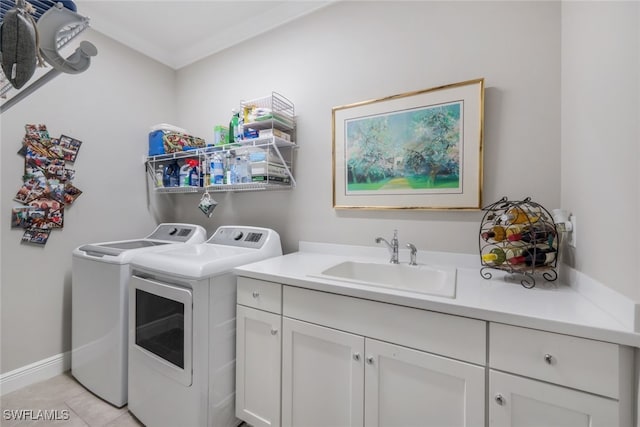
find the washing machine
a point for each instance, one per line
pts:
(100, 275)
(182, 328)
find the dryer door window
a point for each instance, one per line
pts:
(160, 326)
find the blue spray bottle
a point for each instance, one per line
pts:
(194, 173)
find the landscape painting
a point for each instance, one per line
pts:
(408, 151)
(418, 150)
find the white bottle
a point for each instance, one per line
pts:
(246, 168)
(230, 169)
(184, 175)
(235, 170)
(217, 170)
(239, 136)
(159, 173)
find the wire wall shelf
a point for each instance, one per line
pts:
(269, 152)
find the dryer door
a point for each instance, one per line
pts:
(162, 322)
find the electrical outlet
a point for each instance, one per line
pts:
(573, 232)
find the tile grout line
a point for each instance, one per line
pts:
(77, 415)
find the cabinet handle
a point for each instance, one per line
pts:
(255, 294)
(548, 358)
(356, 356)
(274, 331)
(370, 360)
(499, 399)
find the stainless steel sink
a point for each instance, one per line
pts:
(423, 279)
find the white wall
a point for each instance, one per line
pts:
(110, 108)
(355, 51)
(600, 135)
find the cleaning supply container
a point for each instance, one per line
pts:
(171, 176)
(184, 174)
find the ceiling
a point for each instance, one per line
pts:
(179, 33)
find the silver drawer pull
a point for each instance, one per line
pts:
(548, 358)
(356, 356)
(370, 360)
(255, 294)
(499, 399)
(274, 331)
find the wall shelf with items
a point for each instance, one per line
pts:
(268, 113)
(270, 160)
(260, 158)
(521, 238)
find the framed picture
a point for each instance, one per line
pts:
(416, 150)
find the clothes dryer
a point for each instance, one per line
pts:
(182, 328)
(99, 306)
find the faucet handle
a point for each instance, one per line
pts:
(414, 252)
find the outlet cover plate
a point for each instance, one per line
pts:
(573, 232)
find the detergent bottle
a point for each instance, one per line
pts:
(171, 175)
(184, 174)
(194, 173)
(233, 125)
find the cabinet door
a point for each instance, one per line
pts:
(523, 402)
(322, 376)
(258, 351)
(406, 387)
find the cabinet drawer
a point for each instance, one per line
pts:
(260, 294)
(580, 363)
(443, 334)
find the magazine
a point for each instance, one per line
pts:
(70, 147)
(36, 235)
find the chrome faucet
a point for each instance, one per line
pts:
(414, 252)
(393, 246)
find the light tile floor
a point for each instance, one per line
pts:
(66, 401)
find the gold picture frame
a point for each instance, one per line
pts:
(416, 150)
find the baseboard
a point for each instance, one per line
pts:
(625, 310)
(35, 372)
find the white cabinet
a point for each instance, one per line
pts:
(406, 387)
(258, 354)
(348, 361)
(559, 380)
(322, 376)
(523, 402)
(334, 378)
(338, 371)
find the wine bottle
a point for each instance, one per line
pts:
(535, 256)
(517, 215)
(496, 233)
(495, 257)
(514, 229)
(514, 251)
(535, 234)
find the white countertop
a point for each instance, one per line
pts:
(553, 306)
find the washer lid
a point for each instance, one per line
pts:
(195, 261)
(116, 248)
(229, 247)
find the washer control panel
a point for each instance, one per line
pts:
(174, 232)
(246, 237)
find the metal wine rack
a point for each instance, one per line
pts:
(520, 228)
